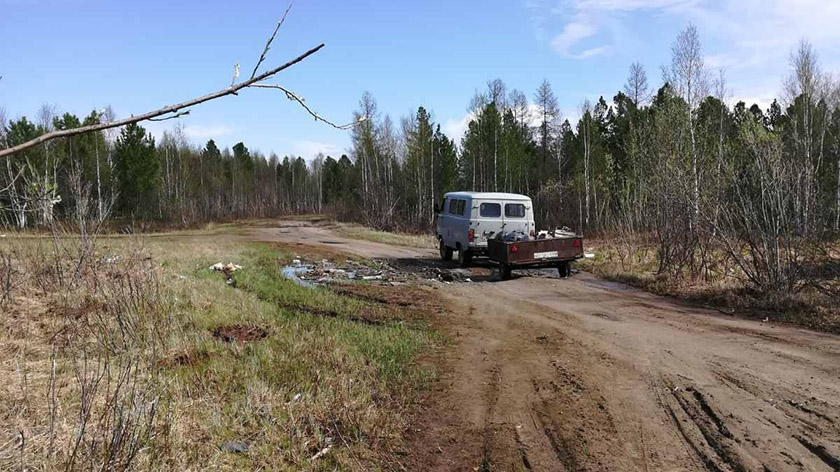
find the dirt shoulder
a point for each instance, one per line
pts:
(584, 374)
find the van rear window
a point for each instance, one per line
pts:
(490, 210)
(514, 210)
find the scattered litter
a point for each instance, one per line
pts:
(228, 268)
(237, 447)
(321, 453)
(295, 273)
(111, 260)
(766, 319)
(182, 277)
(326, 272)
(296, 397)
(588, 255)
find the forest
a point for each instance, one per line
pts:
(673, 164)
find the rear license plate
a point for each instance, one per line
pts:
(545, 255)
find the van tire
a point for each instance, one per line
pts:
(464, 257)
(445, 252)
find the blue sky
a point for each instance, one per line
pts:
(136, 56)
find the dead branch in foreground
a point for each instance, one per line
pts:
(150, 116)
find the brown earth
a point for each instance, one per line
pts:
(584, 374)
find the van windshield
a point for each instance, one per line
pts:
(514, 210)
(490, 210)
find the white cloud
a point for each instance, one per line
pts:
(572, 114)
(309, 149)
(455, 128)
(572, 34)
(202, 132)
(749, 38)
(592, 52)
(760, 47)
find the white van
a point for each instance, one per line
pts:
(467, 219)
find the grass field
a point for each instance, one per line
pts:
(398, 239)
(137, 354)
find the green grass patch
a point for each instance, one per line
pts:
(331, 369)
(354, 231)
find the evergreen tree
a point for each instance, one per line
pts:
(137, 169)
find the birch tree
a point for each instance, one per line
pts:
(689, 78)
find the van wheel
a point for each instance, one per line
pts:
(445, 252)
(464, 257)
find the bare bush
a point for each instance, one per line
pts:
(117, 410)
(759, 229)
(91, 394)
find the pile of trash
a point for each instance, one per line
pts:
(452, 275)
(227, 269)
(326, 272)
(511, 236)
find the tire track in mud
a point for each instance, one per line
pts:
(802, 421)
(716, 446)
(573, 413)
(488, 432)
(782, 399)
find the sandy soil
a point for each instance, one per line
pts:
(583, 374)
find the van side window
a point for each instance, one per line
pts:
(456, 207)
(514, 210)
(444, 207)
(490, 210)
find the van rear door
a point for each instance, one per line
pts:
(515, 214)
(488, 220)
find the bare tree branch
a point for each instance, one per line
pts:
(268, 43)
(177, 115)
(294, 97)
(14, 180)
(232, 90)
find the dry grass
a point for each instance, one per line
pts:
(398, 239)
(121, 342)
(635, 263)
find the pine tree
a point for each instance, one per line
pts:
(137, 171)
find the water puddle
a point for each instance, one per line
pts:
(293, 273)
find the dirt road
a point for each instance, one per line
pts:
(584, 374)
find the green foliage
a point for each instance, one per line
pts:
(137, 167)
